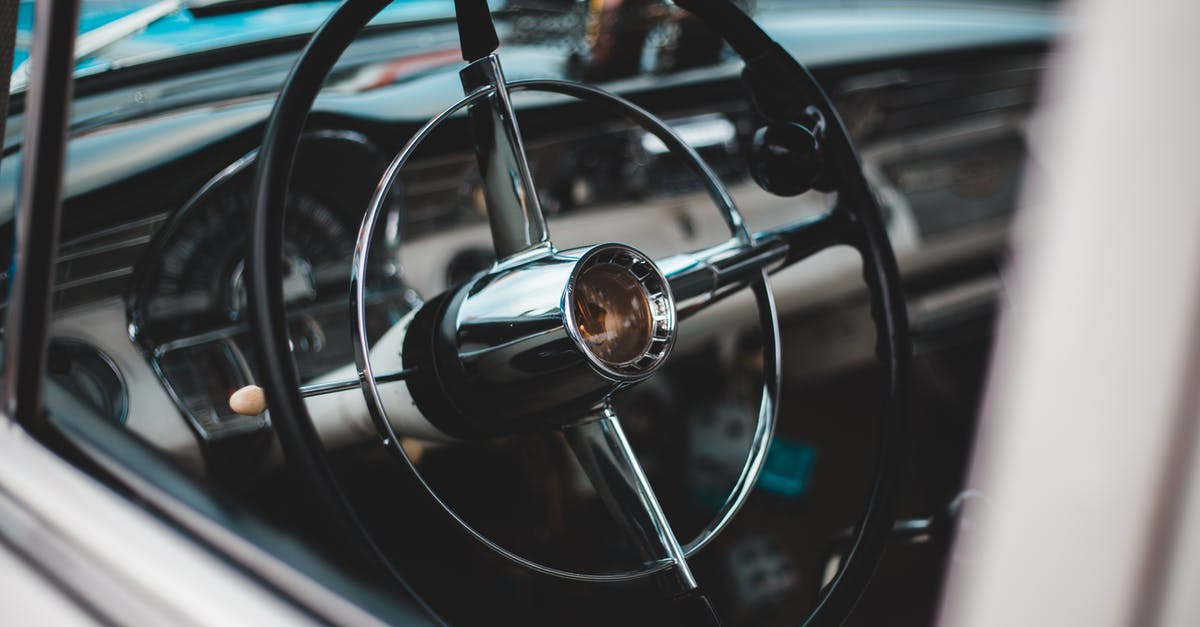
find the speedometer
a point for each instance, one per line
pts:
(189, 308)
(199, 282)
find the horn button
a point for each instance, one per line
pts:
(612, 314)
(619, 311)
(540, 342)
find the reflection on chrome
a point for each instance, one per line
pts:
(612, 312)
(619, 310)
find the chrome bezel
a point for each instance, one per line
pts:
(658, 296)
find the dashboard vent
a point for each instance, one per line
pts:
(912, 98)
(98, 265)
(438, 192)
(950, 180)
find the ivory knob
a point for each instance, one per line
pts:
(248, 401)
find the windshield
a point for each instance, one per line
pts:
(121, 33)
(117, 33)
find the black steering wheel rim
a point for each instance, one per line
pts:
(780, 87)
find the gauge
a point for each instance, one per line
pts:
(190, 311)
(201, 377)
(199, 280)
(89, 376)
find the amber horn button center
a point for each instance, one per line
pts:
(612, 314)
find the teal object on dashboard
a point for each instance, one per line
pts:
(788, 468)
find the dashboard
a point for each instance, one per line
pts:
(150, 325)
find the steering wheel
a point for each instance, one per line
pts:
(545, 337)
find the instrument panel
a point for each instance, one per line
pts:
(189, 308)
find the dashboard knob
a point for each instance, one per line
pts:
(785, 158)
(248, 401)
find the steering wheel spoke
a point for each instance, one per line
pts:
(701, 278)
(514, 211)
(600, 446)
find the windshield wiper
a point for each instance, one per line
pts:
(205, 8)
(122, 28)
(97, 39)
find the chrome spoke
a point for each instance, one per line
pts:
(340, 385)
(514, 212)
(703, 277)
(250, 400)
(600, 445)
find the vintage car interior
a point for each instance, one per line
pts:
(232, 345)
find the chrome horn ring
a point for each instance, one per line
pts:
(768, 321)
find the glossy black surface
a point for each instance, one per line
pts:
(476, 32)
(785, 158)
